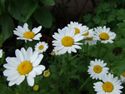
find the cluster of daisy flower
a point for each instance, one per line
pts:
(71, 37)
(107, 84)
(26, 63)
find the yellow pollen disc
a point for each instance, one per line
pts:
(104, 36)
(89, 38)
(46, 73)
(97, 69)
(107, 86)
(123, 74)
(86, 34)
(29, 35)
(67, 41)
(77, 31)
(41, 47)
(25, 67)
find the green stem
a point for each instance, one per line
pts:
(84, 83)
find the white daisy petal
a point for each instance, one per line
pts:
(39, 69)
(20, 80)
(25, 26)
(19, 55)
(30, 81)
(38, 60)
(37, 37)
(36, 30)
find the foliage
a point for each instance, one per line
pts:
(13, 12)
(68, 72)
(110, 13)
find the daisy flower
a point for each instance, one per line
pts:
(78, 28)
(41, 47)
(104, 34)
(97, 69)
(66, 41)
(24, 65)
(24, 33)
(109, 85)
(1, 53)
(122, 76)
(89, 37)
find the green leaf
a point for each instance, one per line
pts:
(6, 25)
(119, 67)
(44, 17)
(2, 6)
(22, 10)
(121, 14)
(48, 2)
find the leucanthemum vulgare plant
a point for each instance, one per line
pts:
(70, 63)
(53, 47)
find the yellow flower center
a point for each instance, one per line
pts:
(97, 69)
(67, 41)
(35, 87)
(41, 47)
(46, 73)
(25, 67)
(77, 31)
(29, 35)
(108, 87)
(104, 36)
(86, 34)
(123, 74)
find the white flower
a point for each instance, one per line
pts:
(24, 65)
(97, 69)
(104, 34)
(41, 47)
(1, 53)
(78, 28)
(109, 85)
(89, 37)
(24, 33)
(122, 76)
(66, 41)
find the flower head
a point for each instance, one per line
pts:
(41, 47)
(89, 37)
(24, 33)
(24, 65)
(108, 85)
(78, 27)
(104, 34)
(97, 69)
(66, 41)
